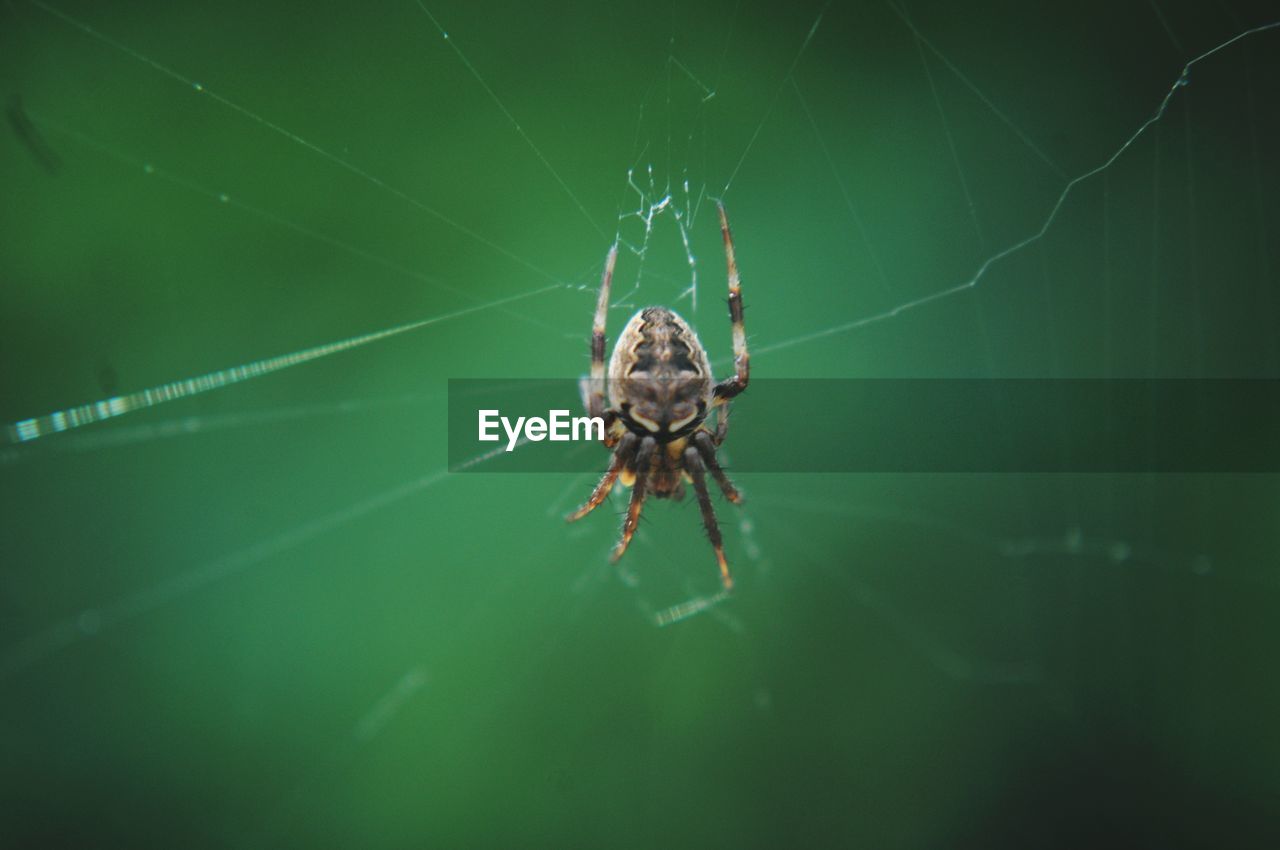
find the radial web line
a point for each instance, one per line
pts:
(804, 45)
(293, 137)
(951, 141)
(923, 641)
(707, 93)
(514, 123)
(92, 621)
(1168, 30)
(192, 424)
(844, 190)
(969, 84)
(1039, 233)
(151, 170)
(85, 414)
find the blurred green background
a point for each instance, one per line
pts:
(267, 616)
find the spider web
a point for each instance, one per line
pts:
(261, 255)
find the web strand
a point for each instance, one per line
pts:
(223, 198)
(844, 190)
(1035, 237)
(367, 176)
(960, 75)
(511, 118)
(91, 622)
(773, 102)
(34, 428)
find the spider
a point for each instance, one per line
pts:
(660, 393)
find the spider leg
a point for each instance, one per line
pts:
(693, 463)
(707, 451)
(638, 492)
(623, 453)
(722, 423)
(593, 388)
(730, 387)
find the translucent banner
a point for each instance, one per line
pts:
(905, 425)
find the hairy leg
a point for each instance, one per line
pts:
(693, 463)
(621, 456)
(638, 491)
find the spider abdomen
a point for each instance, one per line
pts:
(659, 375)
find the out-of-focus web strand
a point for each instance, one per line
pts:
(27, 430)
(892, 312)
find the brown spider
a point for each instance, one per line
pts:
(660, 393)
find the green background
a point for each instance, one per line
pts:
(267, 616)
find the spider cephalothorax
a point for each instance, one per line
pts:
(660, 393)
